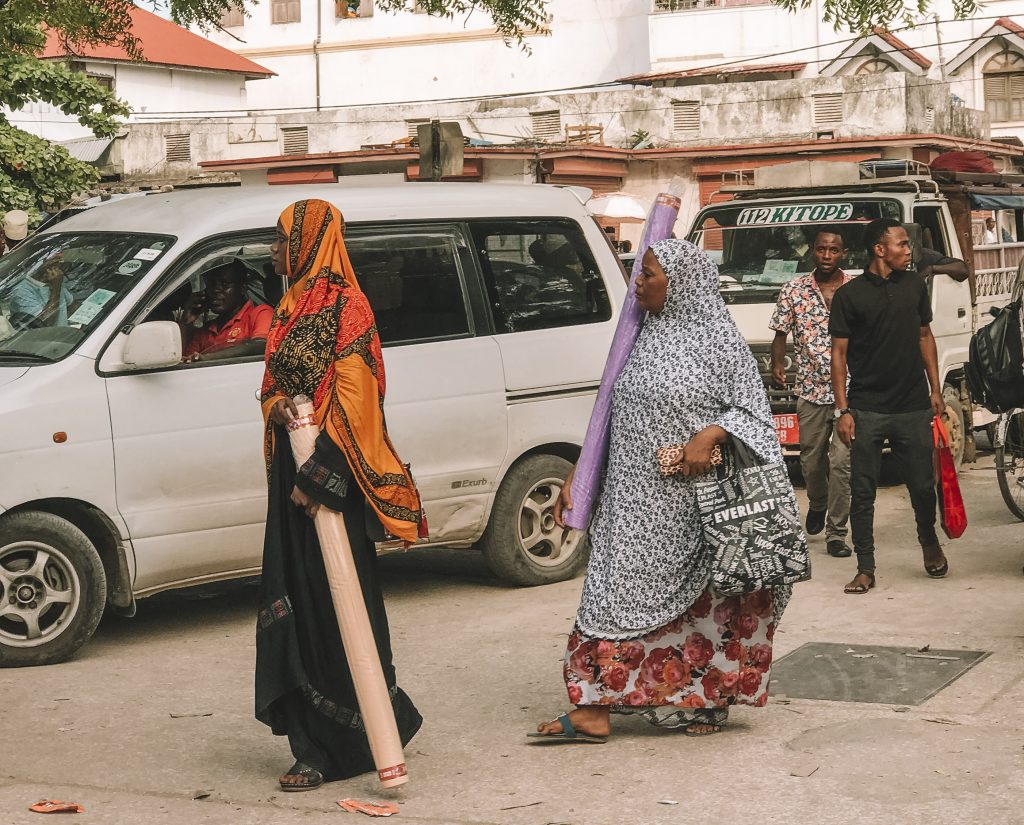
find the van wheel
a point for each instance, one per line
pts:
(52, 589)
(522, 543)
(954, 421)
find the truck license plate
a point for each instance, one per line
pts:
(787, 429)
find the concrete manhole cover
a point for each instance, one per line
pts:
(870, 674)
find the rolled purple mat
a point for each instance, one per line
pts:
(586, 481)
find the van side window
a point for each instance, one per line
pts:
(223, 302)
(413, 281)
(540, 274)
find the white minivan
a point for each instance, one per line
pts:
(125, 472)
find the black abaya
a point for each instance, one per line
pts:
(303, 683)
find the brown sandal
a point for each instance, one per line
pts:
(858, 588)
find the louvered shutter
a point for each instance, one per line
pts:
(295, 140)
(546, 125)
(996, 102)
(1016, 83)
(686, 116)
(285, 11)
(412, 127)
(828, 109)
(178, 148)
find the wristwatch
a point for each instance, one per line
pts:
(839, 412)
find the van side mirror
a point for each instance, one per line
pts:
(153, 344)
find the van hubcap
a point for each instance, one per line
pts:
(39, 593)
(544, 542)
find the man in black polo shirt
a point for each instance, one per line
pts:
(882, 340)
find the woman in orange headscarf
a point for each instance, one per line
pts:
(323, 343)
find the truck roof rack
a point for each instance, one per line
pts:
(827, 177)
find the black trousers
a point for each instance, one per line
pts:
(910, 438)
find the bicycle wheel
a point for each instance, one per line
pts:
(1010, 464)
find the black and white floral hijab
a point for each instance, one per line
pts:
(706, 345)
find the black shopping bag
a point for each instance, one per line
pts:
(752, 525)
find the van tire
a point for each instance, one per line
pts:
(52, 589)
(954, 420)
(510, 557)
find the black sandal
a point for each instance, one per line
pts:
(936, 571)
(313, 777)
(860, 588)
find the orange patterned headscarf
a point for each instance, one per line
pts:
(323, 343)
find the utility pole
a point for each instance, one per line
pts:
(938, 42)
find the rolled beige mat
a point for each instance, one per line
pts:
(353, 620)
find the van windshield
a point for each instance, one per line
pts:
(760, 246)
(55, 288)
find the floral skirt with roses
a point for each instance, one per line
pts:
(717, 654)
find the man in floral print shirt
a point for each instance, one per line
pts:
(803, 310)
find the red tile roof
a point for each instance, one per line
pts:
(713, 71)
(163, 43)
(903, 48)
(1010, 25)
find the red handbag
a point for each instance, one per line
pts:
(951, 504)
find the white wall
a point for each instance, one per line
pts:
(405, 56)
(148, 90)
(766, 34)
(746, 34)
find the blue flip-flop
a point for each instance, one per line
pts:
(568, 734)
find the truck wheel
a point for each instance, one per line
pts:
(954, 420)
(52, 589)
(522, 544)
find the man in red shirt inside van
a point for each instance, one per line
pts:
(240, 326)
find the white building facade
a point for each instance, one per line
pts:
(337, 54)
(180, 75)
(341, 53)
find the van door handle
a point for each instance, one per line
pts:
(961, 312)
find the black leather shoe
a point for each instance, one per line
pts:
(815, 522)
(839, 549)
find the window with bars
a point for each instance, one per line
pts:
(1004, 87)
(294, 140)
(178, 148)
(285, 11)
(232, 18)
(686, 116)
(546, 125)
(828, 108)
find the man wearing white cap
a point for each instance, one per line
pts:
(15, 229)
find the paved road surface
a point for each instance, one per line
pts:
(482, 661)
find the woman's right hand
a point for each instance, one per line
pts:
(564, 499)
(283, 411)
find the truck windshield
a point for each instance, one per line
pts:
(759, 246)
(55, 288)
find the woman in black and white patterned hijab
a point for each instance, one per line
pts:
(649, 635)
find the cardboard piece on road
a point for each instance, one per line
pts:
(52, 806)
(354, 806)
